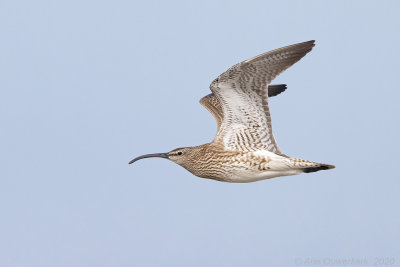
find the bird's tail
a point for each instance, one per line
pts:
(318, 168)
(309, 166)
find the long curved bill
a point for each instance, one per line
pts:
(156, 155)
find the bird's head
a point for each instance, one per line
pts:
(185, 156)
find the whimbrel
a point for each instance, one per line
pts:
(244, 148)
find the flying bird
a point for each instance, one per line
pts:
(244, 148)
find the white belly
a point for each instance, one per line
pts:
(247, 177)
(277, 166)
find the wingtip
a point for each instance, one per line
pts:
(310, 43)
(274, 90)
(204, 99)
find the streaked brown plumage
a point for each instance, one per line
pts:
(244, 149)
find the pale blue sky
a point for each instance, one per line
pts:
(85, 86)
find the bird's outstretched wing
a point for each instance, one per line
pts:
(242, 92)
(211, 102)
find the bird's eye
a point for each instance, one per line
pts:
(180, 153)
